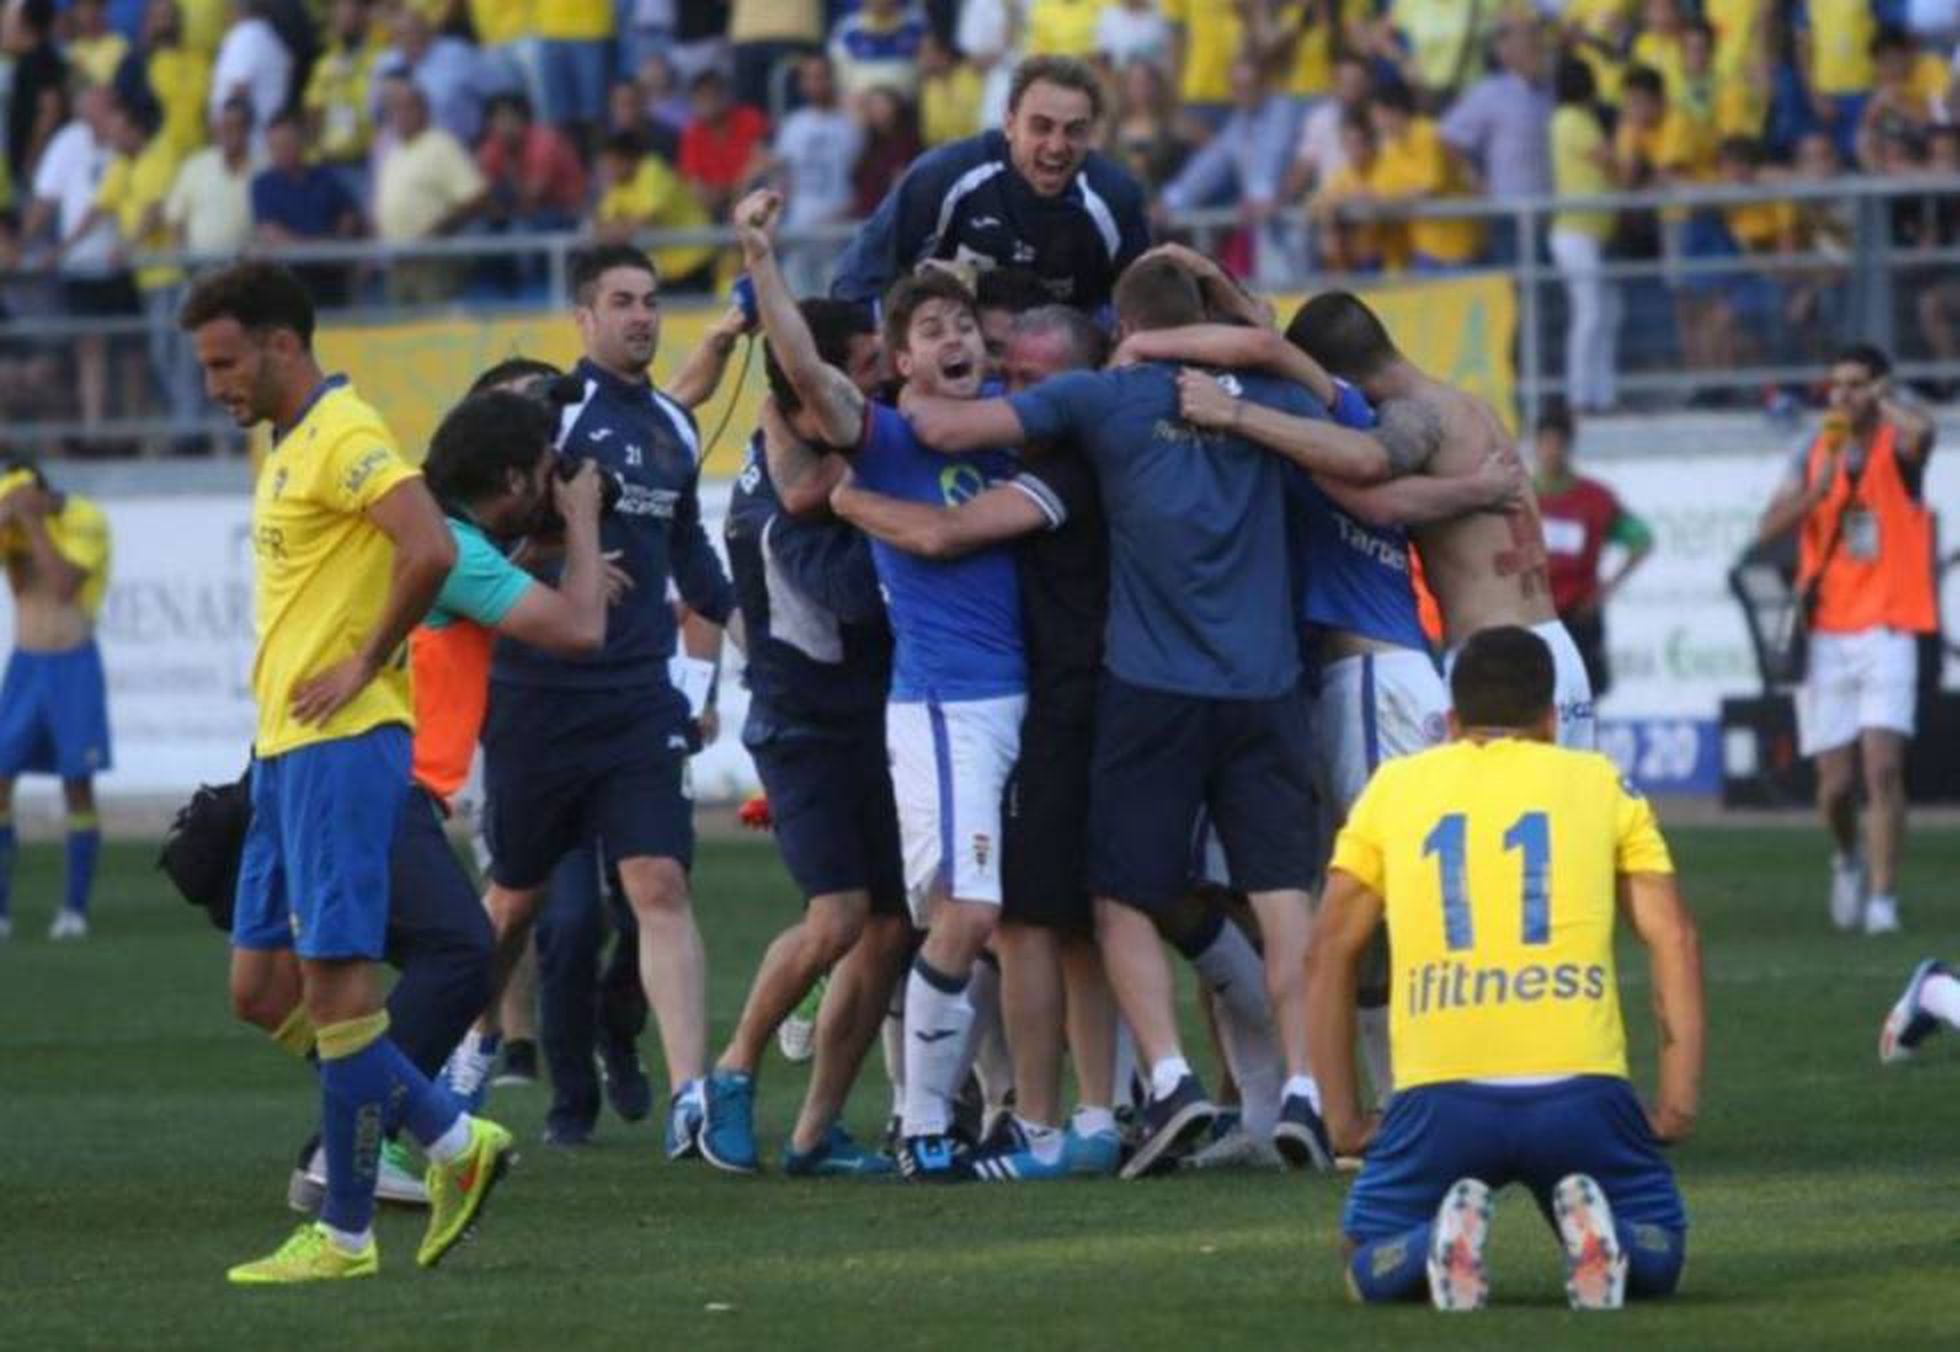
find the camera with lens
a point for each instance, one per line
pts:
(559, 393)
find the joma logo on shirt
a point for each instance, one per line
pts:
(364, 469)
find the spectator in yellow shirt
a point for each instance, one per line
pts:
(1662, 36)
(338, 94)
(1415, 166)
(1726, 106)
(949, 94)
(574, 55)
(639, 191)
(1061, 28)
(1206, 36)
(1599, 32)
(426, 185)
(1351, 246)
(1834, 51)
(167, 79)
(1898, 106)
(96, 49)
(134, 188)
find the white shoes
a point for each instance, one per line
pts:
(68, 925)
(1881, 916)
(1847, 894)
(1458, 1279)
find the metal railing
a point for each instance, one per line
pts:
(516, 273)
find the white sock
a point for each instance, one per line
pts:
(348, 1241)
(938, 1038)
(1166, 1074)
(1044, 1142)
(1231, 966)
(1123, 1075)
(1373, 1027)
(1089, 1121)
(1939, 995)
(1303, 1084)
(989, 1059)
(1252, 1048)
(1883, 901)
(452, 1143)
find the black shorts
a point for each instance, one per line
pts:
(100, 297)
(836, 824)
(432, 904)
(1161, 758)
(1045, 826)
(562, 767)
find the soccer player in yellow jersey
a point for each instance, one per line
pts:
(351, 550)
(54, 712)
(1497, 862)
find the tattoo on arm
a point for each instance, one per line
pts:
(1411, 431)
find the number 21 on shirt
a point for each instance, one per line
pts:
(1531, 836)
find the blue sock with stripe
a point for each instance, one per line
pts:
(6, 864)
(84, 845)
(1655, 1257)
(366, 1087)
(1391, 1269)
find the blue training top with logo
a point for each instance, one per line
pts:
(1349, 575)
(958, 622)
(1199, 558)
(819, 649)
(650, 443)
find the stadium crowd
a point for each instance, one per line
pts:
(217, 128)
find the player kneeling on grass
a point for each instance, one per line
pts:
(1496, 861)
(351, 550)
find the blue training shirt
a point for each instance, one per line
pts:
(1349, 575)
(958, 622)
(1201, 596)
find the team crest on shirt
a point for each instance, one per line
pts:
(961, 483)
(1231, 384)
(279, 481)
(983, 845)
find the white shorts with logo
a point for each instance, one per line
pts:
(950, 764)
(1372, 708)
(1571, 687)
(1857, 681)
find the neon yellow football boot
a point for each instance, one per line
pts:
(459, 1189)
(309, 1256)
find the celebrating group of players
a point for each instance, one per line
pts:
(1072, 625)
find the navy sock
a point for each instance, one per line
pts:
(367, 1086)
(84, 844)
(6, 863)
(1391, 1269)
(1655, 1257)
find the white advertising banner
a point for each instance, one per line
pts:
(176, 636)
(1676, 634)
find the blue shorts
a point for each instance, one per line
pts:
(319, 853)
(1534, 1135)
(573, 76)
(565, 768)
(54, 714)
(1161, 758)
(835, 820)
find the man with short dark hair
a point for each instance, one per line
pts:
(595, 750)
(1855, 493)
(1046, 940)
(819, 666)
(1032, 195)
(351, 552)
(1498, 862)
(959, 675)
(1199, 704)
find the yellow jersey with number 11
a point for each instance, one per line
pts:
(323, 568)
(1498, 866)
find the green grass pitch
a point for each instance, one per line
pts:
(145, 1141)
